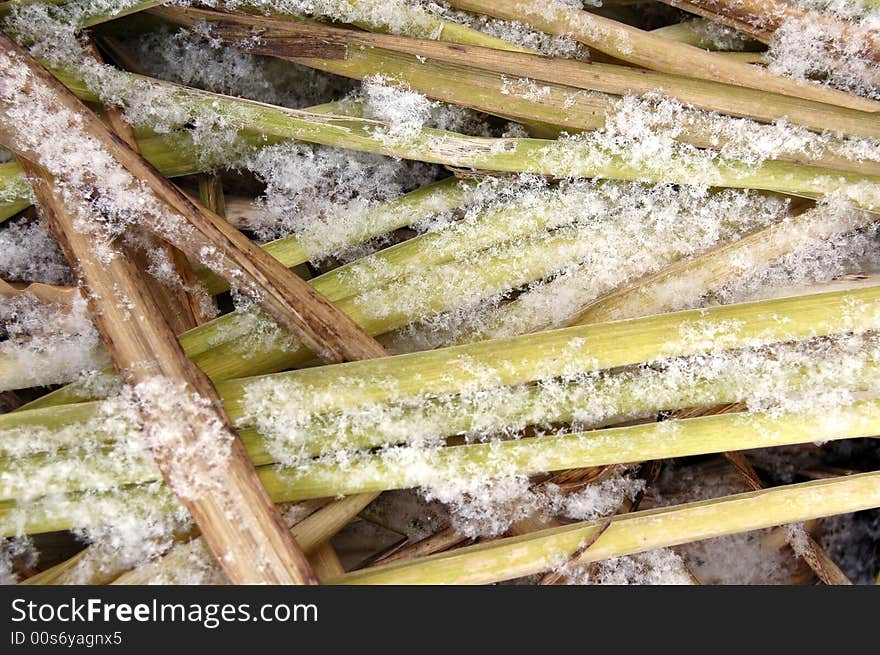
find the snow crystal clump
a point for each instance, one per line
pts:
(835, 52)
(322, 195)
(48, 343)
(480, 506)
(654, 567)
(14, 553)
(193, 464)
(183, 57)
(396, 16)
(29, 254)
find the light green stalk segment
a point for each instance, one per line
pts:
(506, 559)
(409, 468)
(570, 158)
(684, 438)
(556, 158)
(403, 300)
(525, 358)
(10, 209)
(413, 416)
(58, 472)
(647, 336)
(15, 192)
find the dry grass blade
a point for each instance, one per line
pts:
(48, 293)
(284, 296)
(183, 304)
(557, 577)
(814, 555)
(436, 543)
(240, 524)
(652, 51)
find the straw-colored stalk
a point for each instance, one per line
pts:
(523, 359)
(566, 158)
(505, 559)
(480, 78)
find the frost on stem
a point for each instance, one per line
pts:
(193, 464)
(326, 196)
(633, 230)
(756, 557)
(407, 17)
(299, 421)
(16, 553)
(830, 52)
(406, 112)
(518, 34)
(322, 195)
(487, 507)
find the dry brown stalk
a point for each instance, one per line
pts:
(241, 525)
(183, 304)
(48, 293)
(436, 543)
(814, 555)
(325, 562)
(332, 335)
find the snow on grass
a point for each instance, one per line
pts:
(185, 57)
(395, 16)
(29, 254)
(47, 342)
(654, 567)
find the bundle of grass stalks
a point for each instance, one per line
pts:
(388, 291)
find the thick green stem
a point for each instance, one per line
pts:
(567, 158)
(418, 467)
(487, 366)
